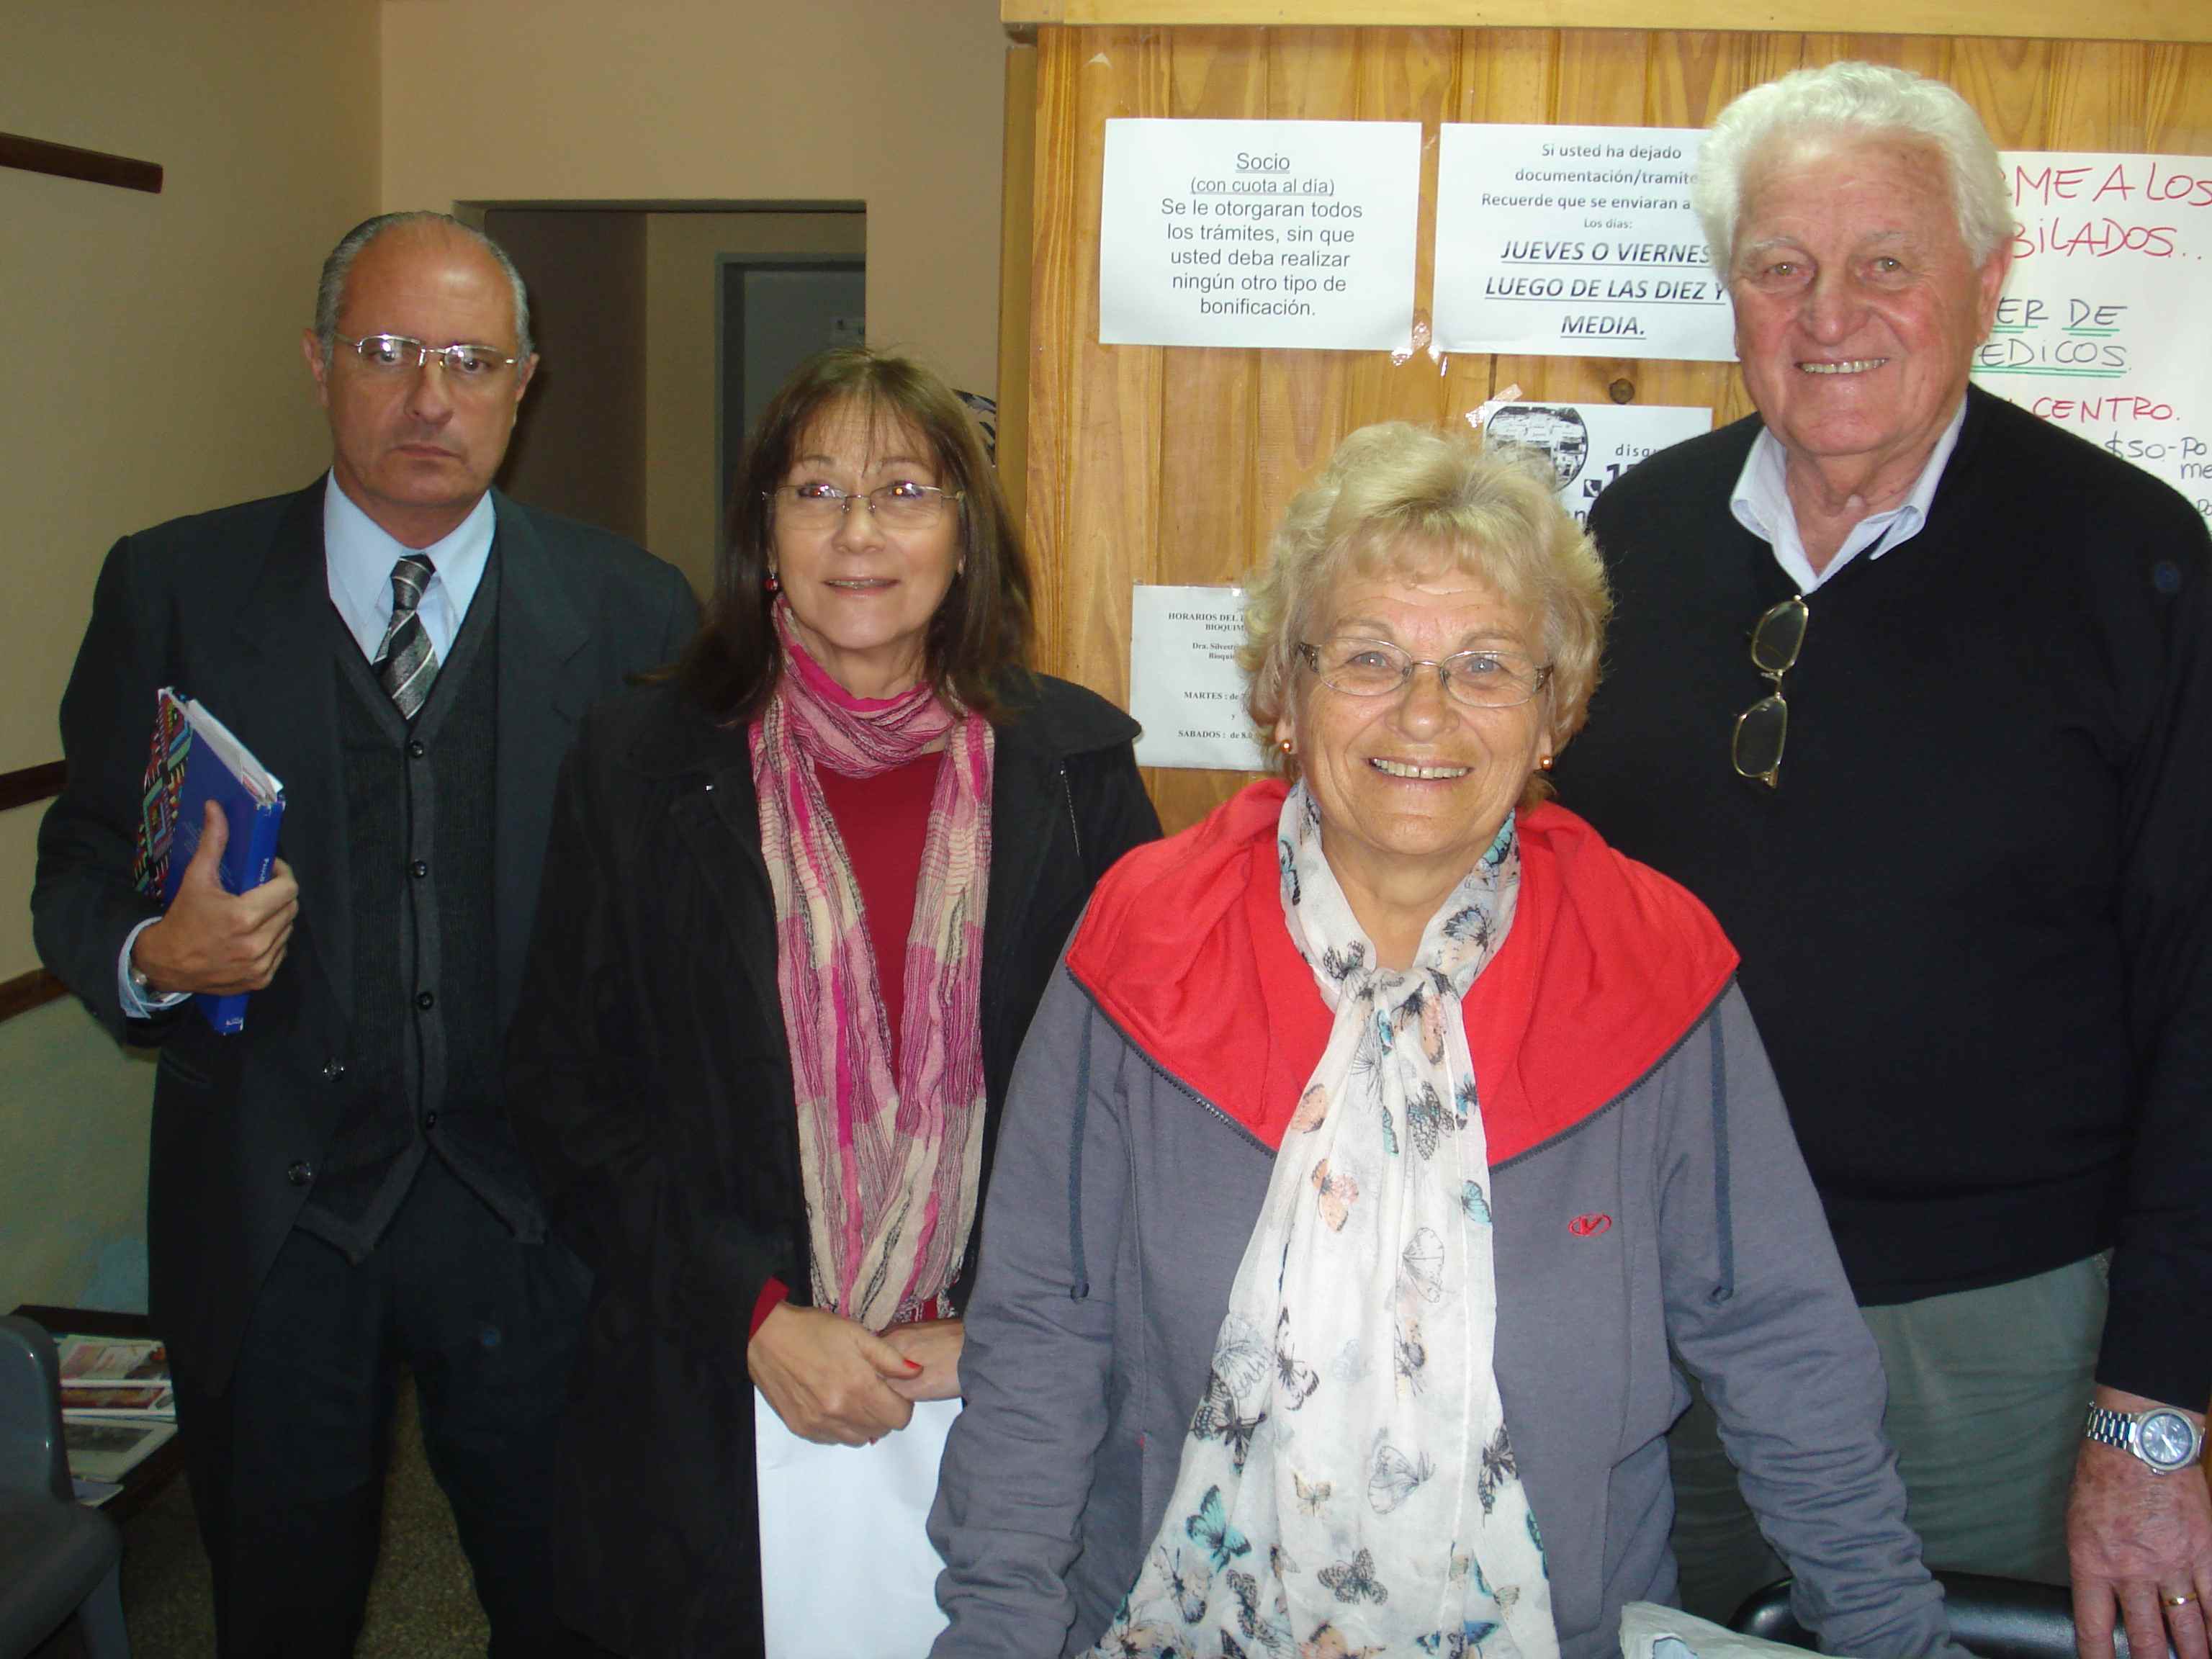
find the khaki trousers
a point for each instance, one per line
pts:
(1987, 1392)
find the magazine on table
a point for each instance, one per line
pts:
(104, 1449)
(112, 1361)
(117, 1407)
(133, 1402)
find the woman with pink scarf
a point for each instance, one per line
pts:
(801, 899)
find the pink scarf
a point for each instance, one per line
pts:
(891, 1164)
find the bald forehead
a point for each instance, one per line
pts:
(427, 256)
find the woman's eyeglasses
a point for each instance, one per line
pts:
(902, 505)
(1761, 729)
(1377, 668)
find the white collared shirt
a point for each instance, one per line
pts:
(358, 554)
(1761, 502)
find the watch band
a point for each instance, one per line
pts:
(2109, 1428)
(2124, 1431)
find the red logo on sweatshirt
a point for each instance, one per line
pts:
(1589, 1227)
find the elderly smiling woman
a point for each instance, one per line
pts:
(1379, 1138)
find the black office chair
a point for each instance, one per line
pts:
(1996, 1618)
(58, 1560)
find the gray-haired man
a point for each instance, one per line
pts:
(335, 1192)
(1953, 803)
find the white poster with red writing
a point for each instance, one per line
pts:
(2104, 328)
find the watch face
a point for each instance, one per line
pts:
(2167, 1439)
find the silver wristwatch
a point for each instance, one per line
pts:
(2160, 1437)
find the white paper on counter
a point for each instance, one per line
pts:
(1286, 234)
(1649, 1630)
(1185, 688)
(848, 1571)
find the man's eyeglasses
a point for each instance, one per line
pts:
(465, 364)
(901, 505)
(1377, 668)
(1761, 729)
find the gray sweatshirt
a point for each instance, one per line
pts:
(1671, 1224)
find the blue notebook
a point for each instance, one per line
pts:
(195, 760)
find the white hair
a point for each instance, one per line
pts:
(1853, 100)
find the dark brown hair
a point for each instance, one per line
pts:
(982, 628)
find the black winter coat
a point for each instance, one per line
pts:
(650, 1083)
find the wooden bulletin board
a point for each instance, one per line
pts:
(1149, 463)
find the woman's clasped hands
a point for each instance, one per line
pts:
(828, 1378)
(834, 1381)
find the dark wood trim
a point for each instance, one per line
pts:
(25, 992)
(27, 786)
(2003, 19)
(67, 161)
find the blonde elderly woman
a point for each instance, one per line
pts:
(1377, 1140)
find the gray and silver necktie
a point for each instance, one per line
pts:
(404, 661)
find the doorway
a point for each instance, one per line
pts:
(777, 311)
(624, 425)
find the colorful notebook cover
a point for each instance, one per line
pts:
(157, 791)
(195, 759)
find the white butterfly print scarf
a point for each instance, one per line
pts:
(1347, 1487)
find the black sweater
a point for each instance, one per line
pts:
(1973, 916)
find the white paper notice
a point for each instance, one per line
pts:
(2103, 328)
(1185, 688)
(1259, 234)
(1592, 444)
(1574, 242)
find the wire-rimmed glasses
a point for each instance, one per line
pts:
(1377, 668)
(1762, 729)
(465, 364)
(901, 504)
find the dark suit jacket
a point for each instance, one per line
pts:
(232, 608)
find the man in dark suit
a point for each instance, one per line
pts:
(335, 1190)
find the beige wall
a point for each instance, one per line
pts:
(683, 509)
(889, 102)
(73, 1120)
(151, 368)
(152, 364)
